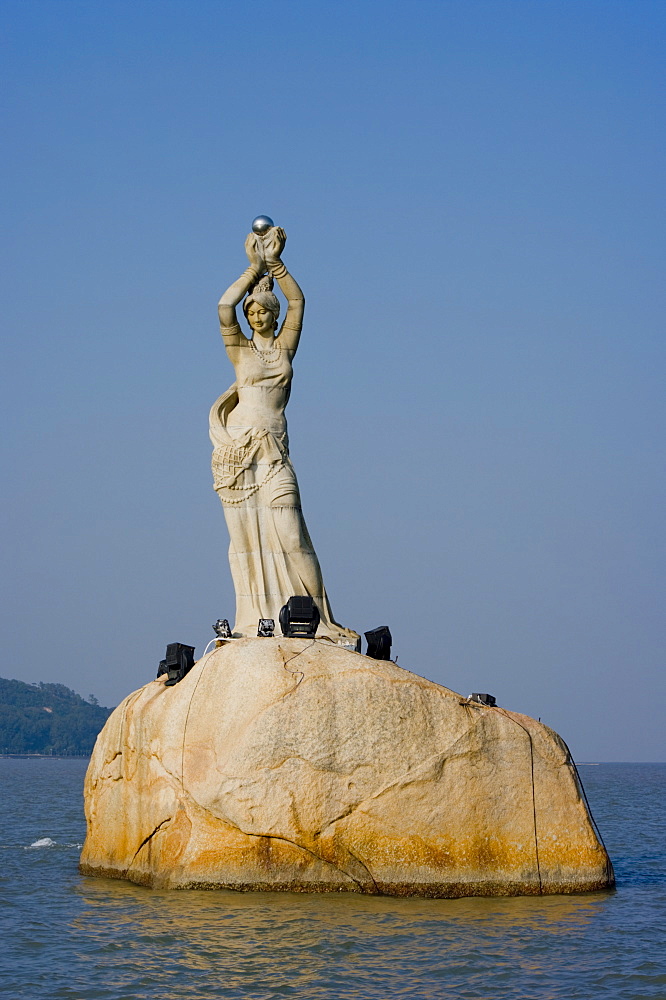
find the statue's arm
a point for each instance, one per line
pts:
(226, 307)
(290, 331)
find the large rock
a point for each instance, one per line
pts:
(286, 764)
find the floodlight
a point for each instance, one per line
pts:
(178, 662)
(483, 699)
(299, 618)
(379, 643)
(221, 629)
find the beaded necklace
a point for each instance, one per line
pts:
(270, 357)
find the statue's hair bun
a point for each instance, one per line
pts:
(264, 284)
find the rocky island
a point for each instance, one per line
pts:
(290, 764)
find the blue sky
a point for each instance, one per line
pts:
(473, 197)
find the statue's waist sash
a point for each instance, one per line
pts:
(236, 464)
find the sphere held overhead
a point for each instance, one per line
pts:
(262, 224)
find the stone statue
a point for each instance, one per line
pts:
(271, 554)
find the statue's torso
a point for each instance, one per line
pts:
(263, 383)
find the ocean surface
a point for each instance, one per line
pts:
(65, 936)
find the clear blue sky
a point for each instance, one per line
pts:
(474, 198)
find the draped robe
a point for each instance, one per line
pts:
(270, 553)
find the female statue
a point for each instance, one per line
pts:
(271, 554)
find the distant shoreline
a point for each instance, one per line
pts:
(44, 756)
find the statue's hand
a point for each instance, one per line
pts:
(274, 241)
(254, 251)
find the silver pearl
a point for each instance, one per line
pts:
(262, 224)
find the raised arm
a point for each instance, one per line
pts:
(290, 331)
(226, 308)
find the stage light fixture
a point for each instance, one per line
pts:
(221, 629)
(299, 618)
(379, 643)
(179, 661)
(266, 627)
(483, 699)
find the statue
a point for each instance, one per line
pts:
(270, 553)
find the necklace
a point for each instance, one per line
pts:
(271, 356)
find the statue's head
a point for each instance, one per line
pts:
(262, 295)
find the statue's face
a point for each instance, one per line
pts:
(260, 319)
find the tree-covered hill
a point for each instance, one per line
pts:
(47, 718)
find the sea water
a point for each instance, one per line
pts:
(66, 936)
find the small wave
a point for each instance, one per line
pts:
(48, 842)
(44, 842)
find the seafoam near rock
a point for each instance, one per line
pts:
(290, 764)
